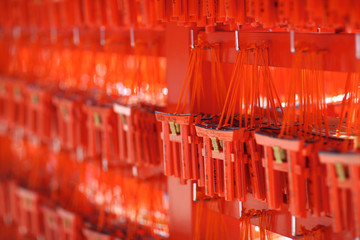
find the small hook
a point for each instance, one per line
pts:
(357, 45)
(240, 208)
(292, 41)
(79, 154)
(16, 32)
(105, 164)
(33, 34)
(135, 171)
(56, 145)
(76, 36)
(132, 37)
(201, 199)
(102, 36)
(194, 191)
(192, 42)
(53, 35)
(293, 226)
(237, 47)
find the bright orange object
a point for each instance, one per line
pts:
(70, 225)
(342, 180)
(30, 220)
(102, 134)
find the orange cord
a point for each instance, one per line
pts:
(307, 94)
(250, 81)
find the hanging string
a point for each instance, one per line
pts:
(306, 111)
(350, 109)
(215, 223)
(194, 82)
(218, 88)
(250, 81)
(317, 233)
(272, 97)
(199, 205)
(264, 219)
(192, 78)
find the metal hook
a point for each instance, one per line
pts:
(105, 164)
(53, 35)
(293, 228)
(292, 41)
(192, 42)
(194, 191)
(16, 32)
(56, 145)
(237, 47)
(79, 154)
(240, 208)
(76, 36)
(195, 195)
(33, 33)
(357, 45)
(132, 37)
(102, 36)
(293, 225)
(135, 171)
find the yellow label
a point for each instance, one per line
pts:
(340, 171)
(64, 111)
(177, 126)
(221, 143)
(67, 223)
(173, 128)
(17, 92)
(34, 99)
(97, 119)
(279, 154)
(28, 201)
(215, 144)
(123, 119)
